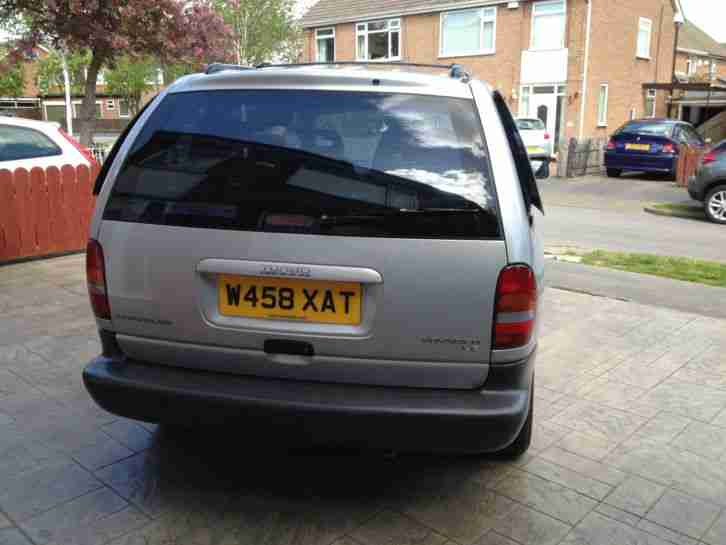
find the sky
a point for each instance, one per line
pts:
(710, 15)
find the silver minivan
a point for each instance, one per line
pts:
(326, 254)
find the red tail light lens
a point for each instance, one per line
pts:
(82, 149)
(516, 307)
(96, 279)
(611, 144)
(710, 157)
(669, 148)
(547, 136)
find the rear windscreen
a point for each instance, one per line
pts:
(647, 127)
(310, 162)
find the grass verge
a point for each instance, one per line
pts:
(710, 273)
(685, 209)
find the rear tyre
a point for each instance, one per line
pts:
(544, 170)
(715, 205)
(524, 439)
(614, 172)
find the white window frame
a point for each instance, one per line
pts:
(652, 94)
(327, 37)
(713, 69)
(534, 15)
(602, 116)
(128, 110)
(649, 23)
(690, 67)
(486, 15)
(387, 30)
(110, 105)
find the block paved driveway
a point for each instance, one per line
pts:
(629, 448)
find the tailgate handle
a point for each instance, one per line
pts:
(293, 348)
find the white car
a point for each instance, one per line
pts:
(538, 142)
(28, 143)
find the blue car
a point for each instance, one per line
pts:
(649, 145)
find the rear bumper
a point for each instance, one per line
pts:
(416, 419)
(645, 163)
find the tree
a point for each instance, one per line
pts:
(49, 77)
(171, 30)
(12, 81)
(130, 78)
(260, 28)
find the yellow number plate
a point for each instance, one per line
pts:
(638, 147)
(534, 149)
(291, 299)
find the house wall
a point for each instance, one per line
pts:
(613, 44)
(703, 71)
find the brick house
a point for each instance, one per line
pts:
(699, 57)
(579, 65)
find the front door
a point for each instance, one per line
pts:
(543, 105)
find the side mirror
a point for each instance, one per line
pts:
(540, 167)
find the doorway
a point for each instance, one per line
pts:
(545, 102)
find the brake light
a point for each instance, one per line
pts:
(547, 136)
(96, 280)
(82, 149)
(611, 144)
(515, 308)
(710, 157)
(669, 148)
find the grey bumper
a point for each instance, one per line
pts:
(316, 413)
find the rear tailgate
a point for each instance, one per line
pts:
(251, 257)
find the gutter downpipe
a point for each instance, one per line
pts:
(583, 92)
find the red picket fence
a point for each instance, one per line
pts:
(45, 212)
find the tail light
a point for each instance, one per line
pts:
(710, 157)
(547, 136)
(515, 308)
(669, 148)
(96, 279)
(611, 144)
(88, 154)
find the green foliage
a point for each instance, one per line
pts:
(49, 77)
(130, 78)
(261, 29)
(12, 80)
(174, 71)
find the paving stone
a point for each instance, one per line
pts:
(493, 538)
(34, 491)
(664, 427)
(600, 421)
(597, 529)
(130, 434)
(546, 496)
(636, 495)
(584, 466)
(691, 400)
(545, 434)
(720, 419)
(106, 452)
(665, 534)
(703, 439)
(587, 446)
(463, 515)
(4, 521)
(395, 529)
(528, 527)
(11, 536)
(568, 478)
(61, 524)
(716, 534)
(685, 514)
(618, 514)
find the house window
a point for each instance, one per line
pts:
(468, 32)
(548, 25)
(378, 40)
(690, 67)
(602, 106)
(524, 102)
(650, 102)
(77, 109)
(645, 26)
(325, 45)
(633, 114)
(713, 69)
(123, 108)
(110, 105)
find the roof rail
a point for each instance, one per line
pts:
(220, 66)
(456, 71)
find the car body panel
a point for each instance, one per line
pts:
(709, 175)
(69, 154)
(534, 139)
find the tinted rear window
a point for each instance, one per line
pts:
(23, 143)
(647, 127)
(530, 124)
(311, 162)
